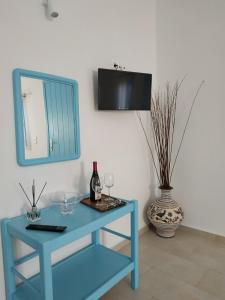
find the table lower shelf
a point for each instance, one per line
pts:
(87, 274)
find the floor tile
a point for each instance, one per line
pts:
(190, 266)
(165, 287)
(214, 283)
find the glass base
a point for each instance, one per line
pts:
(34, 214)
(67, 207)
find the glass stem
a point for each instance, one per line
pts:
(109, 192)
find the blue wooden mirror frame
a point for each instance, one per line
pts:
(74, 134)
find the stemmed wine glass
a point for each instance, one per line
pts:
(97, 186)
(109, 182)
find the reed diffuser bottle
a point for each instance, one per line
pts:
(33, 214)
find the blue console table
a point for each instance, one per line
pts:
(88, 273)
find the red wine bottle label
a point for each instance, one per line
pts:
(97, 196)
(98, 192)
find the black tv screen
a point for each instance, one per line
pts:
(122, 90)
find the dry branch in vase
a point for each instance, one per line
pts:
(163, 120)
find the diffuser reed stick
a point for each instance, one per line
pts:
(33, 202)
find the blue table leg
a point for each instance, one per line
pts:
(95, 236)
(8, 259)
(134, 246)
(46, 274)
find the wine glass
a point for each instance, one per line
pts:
(109, 182)
(97, 186)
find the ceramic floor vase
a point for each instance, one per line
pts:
(165, 214)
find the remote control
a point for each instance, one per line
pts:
(46, 227)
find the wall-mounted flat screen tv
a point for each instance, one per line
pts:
(122, 90)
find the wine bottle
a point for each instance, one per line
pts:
(94, 195)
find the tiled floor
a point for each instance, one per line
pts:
(190, 266)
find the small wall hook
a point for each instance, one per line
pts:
(118, 67)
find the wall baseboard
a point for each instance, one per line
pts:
(146, 228)
(201, 232)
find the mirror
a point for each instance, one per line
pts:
(47, 118)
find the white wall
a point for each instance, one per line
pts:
(88, 34)
(190, 39)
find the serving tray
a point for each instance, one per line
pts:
(105, 204)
